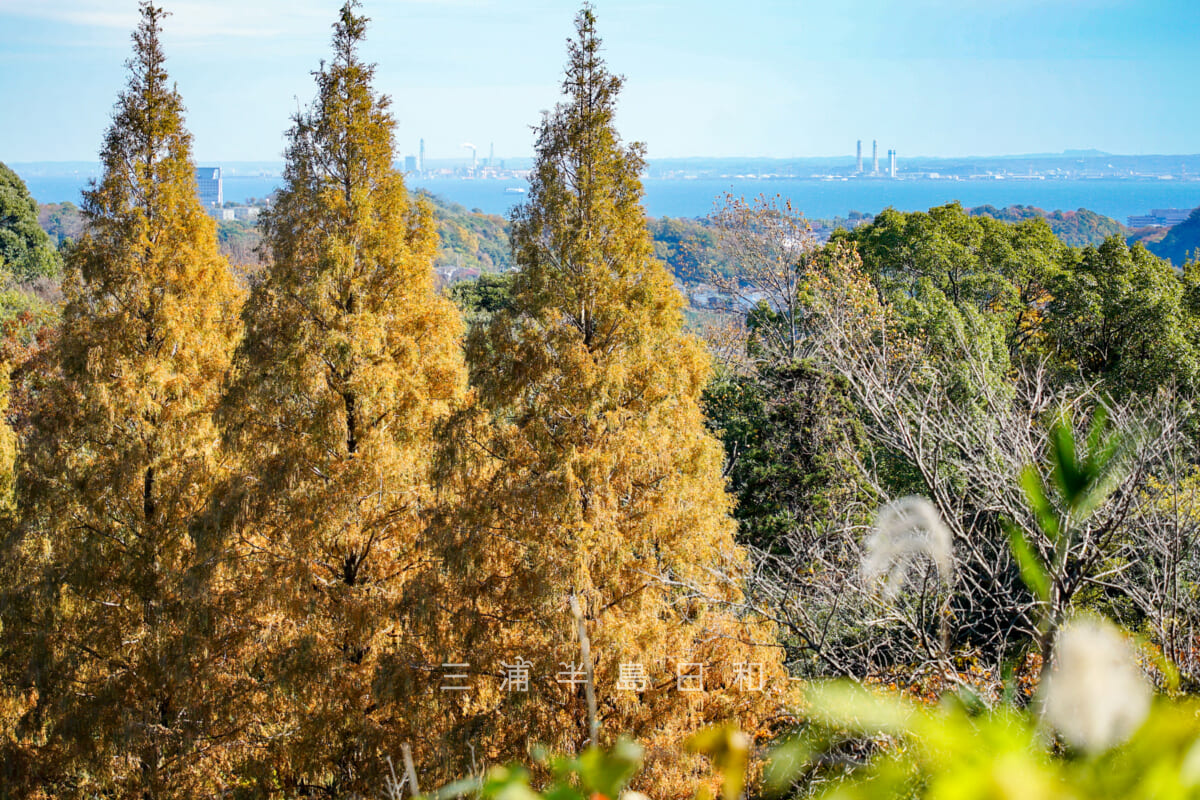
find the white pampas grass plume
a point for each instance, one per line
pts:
(1095, 695)
(907, 530)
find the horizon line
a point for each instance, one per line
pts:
(1069, 153)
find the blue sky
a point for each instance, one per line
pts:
(704, 78)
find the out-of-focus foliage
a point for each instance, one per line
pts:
(1090, 731)
(593, 774)
(870, 745)
(598, 773)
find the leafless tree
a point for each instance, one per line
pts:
(968, 456)
(772, 246)
(1161, 553)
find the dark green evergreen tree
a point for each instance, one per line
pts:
(1120, 315)
(25, 249)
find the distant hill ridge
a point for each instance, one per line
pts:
(1076, 228)
(1182, 242)
(472, 243)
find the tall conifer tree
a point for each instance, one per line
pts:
(585, 469)
(119, 465)
(350, 359)
(15, 697)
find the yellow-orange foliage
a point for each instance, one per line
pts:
(14, 701)
(349, 360)
(114, 620)
(584, 468)
(8, 446)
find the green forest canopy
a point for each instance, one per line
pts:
(25, 250)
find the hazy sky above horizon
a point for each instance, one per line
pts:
(704, 78)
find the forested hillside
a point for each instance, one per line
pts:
(30, 261)
(465, 239)
(1181, 243)
(473, 243)
(915, 512)
(469, 240)
(1076, 228)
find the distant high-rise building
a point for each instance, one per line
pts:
(1160, 218)
(859, 168)
(892, 163)
(208, 187)
(492, 155)
(1172, 216)
(410, 163)
(875, 156)
(421, 157)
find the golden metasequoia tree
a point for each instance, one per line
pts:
(8, 446)
(18, 571)
(13, 700)
(349, 360)
(583, 468)
(114, 617)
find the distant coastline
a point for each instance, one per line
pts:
(816, 197)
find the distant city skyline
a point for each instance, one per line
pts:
(768, 78)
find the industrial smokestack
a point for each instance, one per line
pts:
(875, 156)
(859, 168)
(892, 162)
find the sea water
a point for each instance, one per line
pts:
(818, 199)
